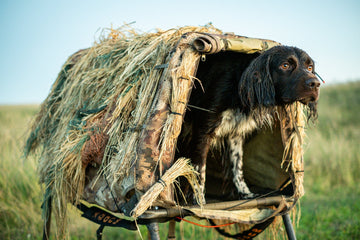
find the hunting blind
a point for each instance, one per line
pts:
(107, 135)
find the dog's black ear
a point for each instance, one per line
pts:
(256, 87)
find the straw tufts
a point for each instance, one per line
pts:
(180, 168)
(96, 109)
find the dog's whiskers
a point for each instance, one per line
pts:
(202, 109)
(319, 77)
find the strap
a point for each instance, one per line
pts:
(248, 234)
(104, 218)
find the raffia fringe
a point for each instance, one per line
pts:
(181, 167)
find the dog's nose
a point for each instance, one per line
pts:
(312, 83)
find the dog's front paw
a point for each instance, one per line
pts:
(248, 195)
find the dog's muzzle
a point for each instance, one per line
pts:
(311, 91)
(312, 84)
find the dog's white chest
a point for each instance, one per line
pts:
(235, 123)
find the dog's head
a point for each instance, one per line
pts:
(280, 75)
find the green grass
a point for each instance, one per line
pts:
(330, 208)
(332, 214)
(332, 158)
(19, 191)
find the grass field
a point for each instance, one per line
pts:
(330, 208)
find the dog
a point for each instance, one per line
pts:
(232, 87)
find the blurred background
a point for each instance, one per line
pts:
(38, 36)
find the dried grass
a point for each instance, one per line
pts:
(293, 152)
(115, 78)
(181, 167)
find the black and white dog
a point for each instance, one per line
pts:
(233, 96)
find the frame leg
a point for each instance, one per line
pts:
(153, 231)
(288, 226)
(99, 232)
(171, 233)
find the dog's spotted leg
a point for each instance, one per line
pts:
(201, 169)
(236, 157)
(199, 162)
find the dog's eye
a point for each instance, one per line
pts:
(310, 68)
(285, 66)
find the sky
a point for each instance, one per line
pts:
(38, 36)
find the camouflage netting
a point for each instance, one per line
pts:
(108, 128)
